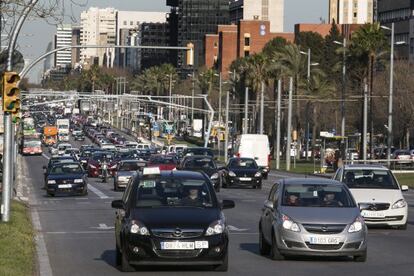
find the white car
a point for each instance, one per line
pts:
(131, 144)
(378, 194)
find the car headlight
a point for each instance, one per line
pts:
(265, 170)
(78, 180)
(258, 174)
(356, 226)
(214, 176)
(289, 224)
(139, 229)
(399, 204)
(216, 228)
(232, 174)
(92, 166)
(51, 182)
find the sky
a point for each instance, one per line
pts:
(36, 34)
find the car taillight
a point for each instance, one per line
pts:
(269, 158)
(238, 155)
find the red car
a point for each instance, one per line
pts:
(164, 162)
(95, 161)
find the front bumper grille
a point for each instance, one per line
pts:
(177, 254)
(324, 229)
(324, 246)
(171, 233)
(385, 219)
(374, 206)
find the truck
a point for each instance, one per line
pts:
(63, 129)
(50, 135)
(198, 128)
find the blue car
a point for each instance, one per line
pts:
(67, 179)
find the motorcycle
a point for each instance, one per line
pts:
(104, 171)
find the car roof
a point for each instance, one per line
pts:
(198, 157)
(366, 166)
(311, 181)
(182, 174)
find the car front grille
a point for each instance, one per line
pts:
(374, 206)
(65, 181)
(173, 234)
(385, 219)
(352, 245)
(325, 246)
(291, 244)
(324, 228)
(177, 254)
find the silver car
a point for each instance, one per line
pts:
(312, 217)
(125, 171)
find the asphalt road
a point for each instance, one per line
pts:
(79, 237)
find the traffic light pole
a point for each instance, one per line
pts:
(8, 126)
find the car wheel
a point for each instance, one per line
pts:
(274, 250)
(125, 266)
(118, 256)
(361, 258)
(225, 265)
(51, 194)
(85, 192)
(264, 247)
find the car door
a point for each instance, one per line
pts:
(120, 214)
(267, 215)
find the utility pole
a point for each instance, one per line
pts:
(289, 126)
(226, 144)
(278, 117)
(365, 126)
(262, 109)
(390, 101)
(246, 111)
(343, 153)
(170, 93)
(192, 97)
(220, 93)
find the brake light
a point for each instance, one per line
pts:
(238, 155)
(269, 159)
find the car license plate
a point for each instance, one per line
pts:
(372, 214)
(65, 186)
(201, 244)
(176, 245)
(324, 240)
(245, 179)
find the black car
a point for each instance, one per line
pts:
(171, 218)
(242, 171)
(84, 156)
(198, 151)
(53, 161)
(78, 135)
(204, 164)
(66, 178)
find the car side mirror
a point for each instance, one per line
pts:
(118, 204)
(269, 204)
(227, 204)
(404, 188)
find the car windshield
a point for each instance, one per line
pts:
(32, 143)
(402, 152)
(100, 156)
(131, 166)
(369, 179)
(203, 163)
(176, 192)
(205, 152)
(242, 163)
(63, 147)
(66, 168)
(319, 195)
(163, 160)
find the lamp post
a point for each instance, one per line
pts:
(391, 93)
(344, 44)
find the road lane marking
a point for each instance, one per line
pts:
(103, 226)
(234, 228)
(45, 156)
(100, 194)
(79, 232)
(43, 258)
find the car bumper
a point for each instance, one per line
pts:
(149, 251)
(298, 243)
(392, 217)
(237, 181)
(121, 183)
(74, 189)
(93, 173)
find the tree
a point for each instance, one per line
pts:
(331, 53)
(313, 41)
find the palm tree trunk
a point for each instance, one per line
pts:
(256, 117)
(314, 129)
(371, 105)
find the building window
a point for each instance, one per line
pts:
(125, 23)
(246, 53)
(247, 41)
(215, 45)
(355, 14)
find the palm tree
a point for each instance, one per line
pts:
(318, 87)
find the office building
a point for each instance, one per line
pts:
(128, 27)
(189, 22)
(98, 27)
(63, 38)
(351, 11)
(401, 13)
(265, 10)
(154, 34)
(76, 40)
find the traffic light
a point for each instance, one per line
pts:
(190, 54)
(11, 92)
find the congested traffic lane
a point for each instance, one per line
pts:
(79, 236)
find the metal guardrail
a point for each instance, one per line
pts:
(396, 165)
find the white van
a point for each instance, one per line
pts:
(254, 146)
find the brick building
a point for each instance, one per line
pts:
(235, 41)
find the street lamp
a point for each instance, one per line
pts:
(343, 44)
(390, 101)
(192, 95)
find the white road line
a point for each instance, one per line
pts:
(45, 156)
(43, 258)
(97, 192)
(79, 232)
